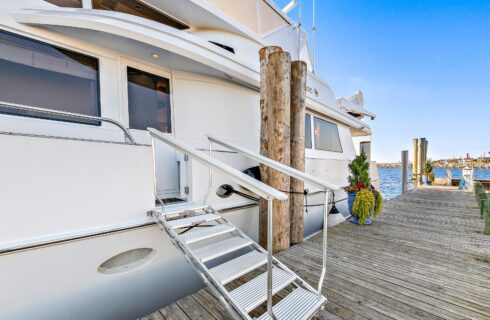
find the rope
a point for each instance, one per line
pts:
(304, 193)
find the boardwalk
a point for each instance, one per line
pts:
(425, 258)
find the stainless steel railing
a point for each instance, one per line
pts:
(15, 106)
(261, 189)
(326, 187)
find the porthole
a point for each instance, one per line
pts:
(126, 261)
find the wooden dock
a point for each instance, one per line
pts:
(426, 257)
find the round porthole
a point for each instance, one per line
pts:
(126, 261)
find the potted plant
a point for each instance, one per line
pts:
(363, 199)
(427, 175)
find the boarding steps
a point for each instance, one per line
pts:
(223, 254)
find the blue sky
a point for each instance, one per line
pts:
(424, 68)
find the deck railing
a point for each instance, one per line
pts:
(15, 106)
(326, 187)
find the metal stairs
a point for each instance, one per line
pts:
(242, 275)
(233, 266)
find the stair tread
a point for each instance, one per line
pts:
(301, 304)
(192, 221)
(202, 233)
(253, 293)
(239, 266)
(221, 248)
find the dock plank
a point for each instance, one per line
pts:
(425, 257)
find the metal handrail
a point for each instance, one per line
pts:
(295, 173)
(327, 188)
(10, 105)
(260, 188)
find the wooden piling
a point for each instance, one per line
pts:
(404, 170)
(264, 137)
(420, 159)
(277, 133)
(415, 164)
(298, 106)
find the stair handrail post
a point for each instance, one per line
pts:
(324, 247)
(269, 258)
(210, 174)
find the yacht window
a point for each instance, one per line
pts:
(326, 136)
(66, 3)
(37, 74)
(148, 101)
(137, 8)
(307, 131)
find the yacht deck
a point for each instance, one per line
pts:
(425, 257)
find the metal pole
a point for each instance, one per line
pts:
(210, 175)
(324, 249)
(300, 12)
(404, 170)
(269, 258)
(313, 39)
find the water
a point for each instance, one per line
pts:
(390, 179)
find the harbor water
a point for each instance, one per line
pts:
(390, 179)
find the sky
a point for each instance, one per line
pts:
(423, 66)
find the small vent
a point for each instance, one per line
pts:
(230, 49)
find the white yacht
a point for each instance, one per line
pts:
(80, 82)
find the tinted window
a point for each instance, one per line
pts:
(307, 131)
(66, 3)
(37, 74)
(137, 8)
(148, 101)
(327, 136)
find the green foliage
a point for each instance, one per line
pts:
(363, 205)
(359, 173)
(432, 176)
(378, 203)
(427, 168)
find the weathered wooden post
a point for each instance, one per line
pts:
(264, 137)
(420, 160)
(415, 164)
(277, 107)
(298, 106)
(404, 170)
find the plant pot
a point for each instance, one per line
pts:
(425, 180)
(351, 197)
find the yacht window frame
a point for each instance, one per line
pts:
(155, 70)
(77, 51)
(314, 152)
(316, 116)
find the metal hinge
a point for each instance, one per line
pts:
(186, 190)
(186, 157)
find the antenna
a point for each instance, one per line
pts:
(313, 39)
(300, 12)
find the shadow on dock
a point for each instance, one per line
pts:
(426, 257)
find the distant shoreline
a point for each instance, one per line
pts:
(435, 165)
